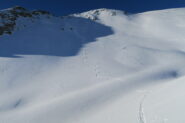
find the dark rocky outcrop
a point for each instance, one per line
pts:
(8, 17)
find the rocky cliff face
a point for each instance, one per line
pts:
(8, 17)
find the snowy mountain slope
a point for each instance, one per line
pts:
(98, 66)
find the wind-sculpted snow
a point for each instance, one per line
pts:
(100, 66)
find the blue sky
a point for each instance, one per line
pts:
(64, 7)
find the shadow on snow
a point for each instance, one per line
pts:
(49, 39)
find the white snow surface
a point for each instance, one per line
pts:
(100, 66)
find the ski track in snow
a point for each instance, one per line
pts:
(142, 117)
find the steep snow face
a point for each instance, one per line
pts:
(100, 66)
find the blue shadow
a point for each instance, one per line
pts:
(65, 40)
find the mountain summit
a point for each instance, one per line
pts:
(8, 17)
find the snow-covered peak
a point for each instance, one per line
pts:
(9, 17)
(96, 13)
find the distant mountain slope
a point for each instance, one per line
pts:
(40, 33)
(100, 66)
